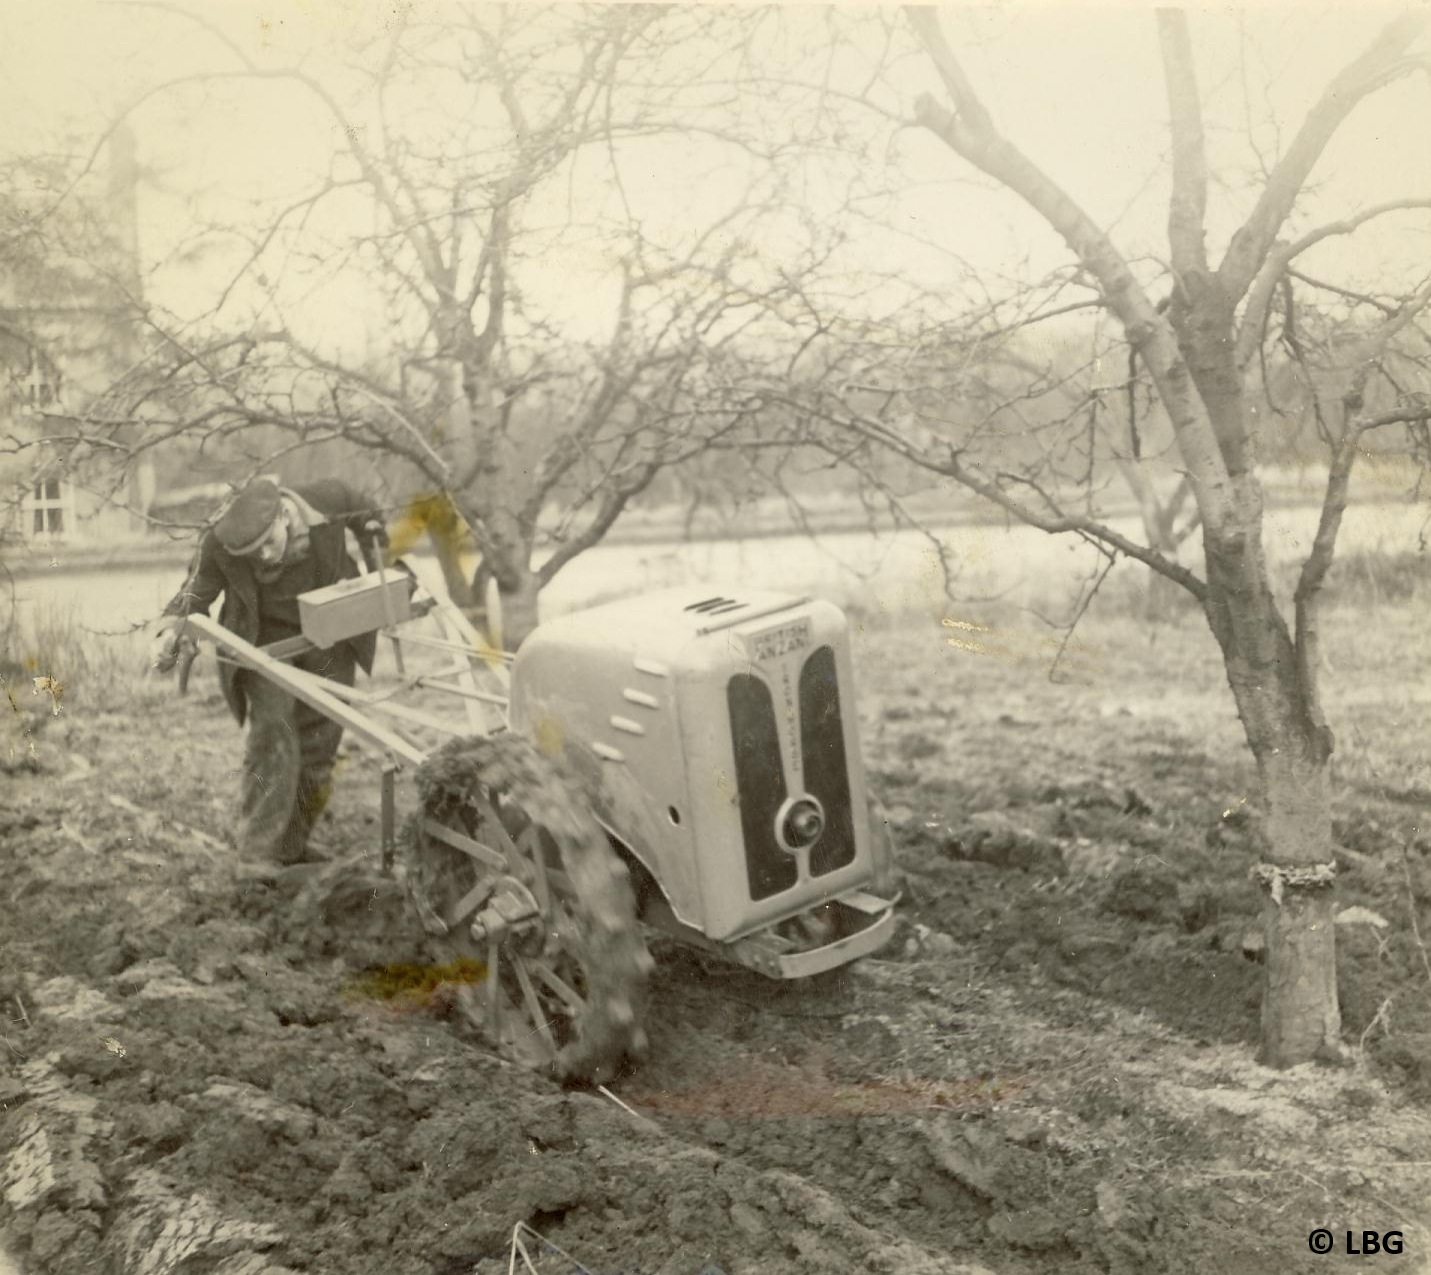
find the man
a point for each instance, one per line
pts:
(271, 544)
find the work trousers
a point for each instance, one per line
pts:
(288, 760)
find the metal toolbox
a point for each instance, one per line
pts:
(350, 607)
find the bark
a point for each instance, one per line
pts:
(1300, 1016)
(506, 541)
(520, 613)
(1292, 748)
(1188, 207)
(1200, 309)
(1202, 316)
(506, 534)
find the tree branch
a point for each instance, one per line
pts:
(969, 132)
(1187, 210)
(1380, 64)
(1403, 416)
(949, 461)
(1280, 257)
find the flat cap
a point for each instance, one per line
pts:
(245, 524)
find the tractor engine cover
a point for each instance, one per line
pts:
(716, 734)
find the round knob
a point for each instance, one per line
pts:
(803, 824)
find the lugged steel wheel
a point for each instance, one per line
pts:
(506, 865)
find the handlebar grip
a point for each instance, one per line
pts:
(188, 653)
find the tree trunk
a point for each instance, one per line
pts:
(1190, 350)
(519, 607)
(1159, 515)
(1300, 1015)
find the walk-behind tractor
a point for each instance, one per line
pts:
(688, 760)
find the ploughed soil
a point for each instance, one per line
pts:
(1051, 1067)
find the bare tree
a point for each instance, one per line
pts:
(473, 149)
(1203, 350)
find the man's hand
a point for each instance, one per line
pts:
(373, 543)
(165, 649)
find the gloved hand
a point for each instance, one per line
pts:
(373, 544)
(165, 649)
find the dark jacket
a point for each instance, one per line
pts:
(215, 571)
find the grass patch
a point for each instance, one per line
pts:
(46, 649)
(1379, 579)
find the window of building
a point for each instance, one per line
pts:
(39, 385)
(50, 506)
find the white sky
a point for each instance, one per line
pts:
(1078, 87)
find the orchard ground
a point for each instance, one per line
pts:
(1052, 1067)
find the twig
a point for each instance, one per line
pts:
(1087, 601)
(1382, 1017)
(519, 1247)
(1411, 908)
(20, 1005)
(603, 1089)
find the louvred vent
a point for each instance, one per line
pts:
(714, 606)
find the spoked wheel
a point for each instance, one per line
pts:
(506, 866)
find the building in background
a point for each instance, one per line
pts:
(70, 300)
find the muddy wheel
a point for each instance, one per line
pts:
(507, 869)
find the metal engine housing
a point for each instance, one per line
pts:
(716, 734)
